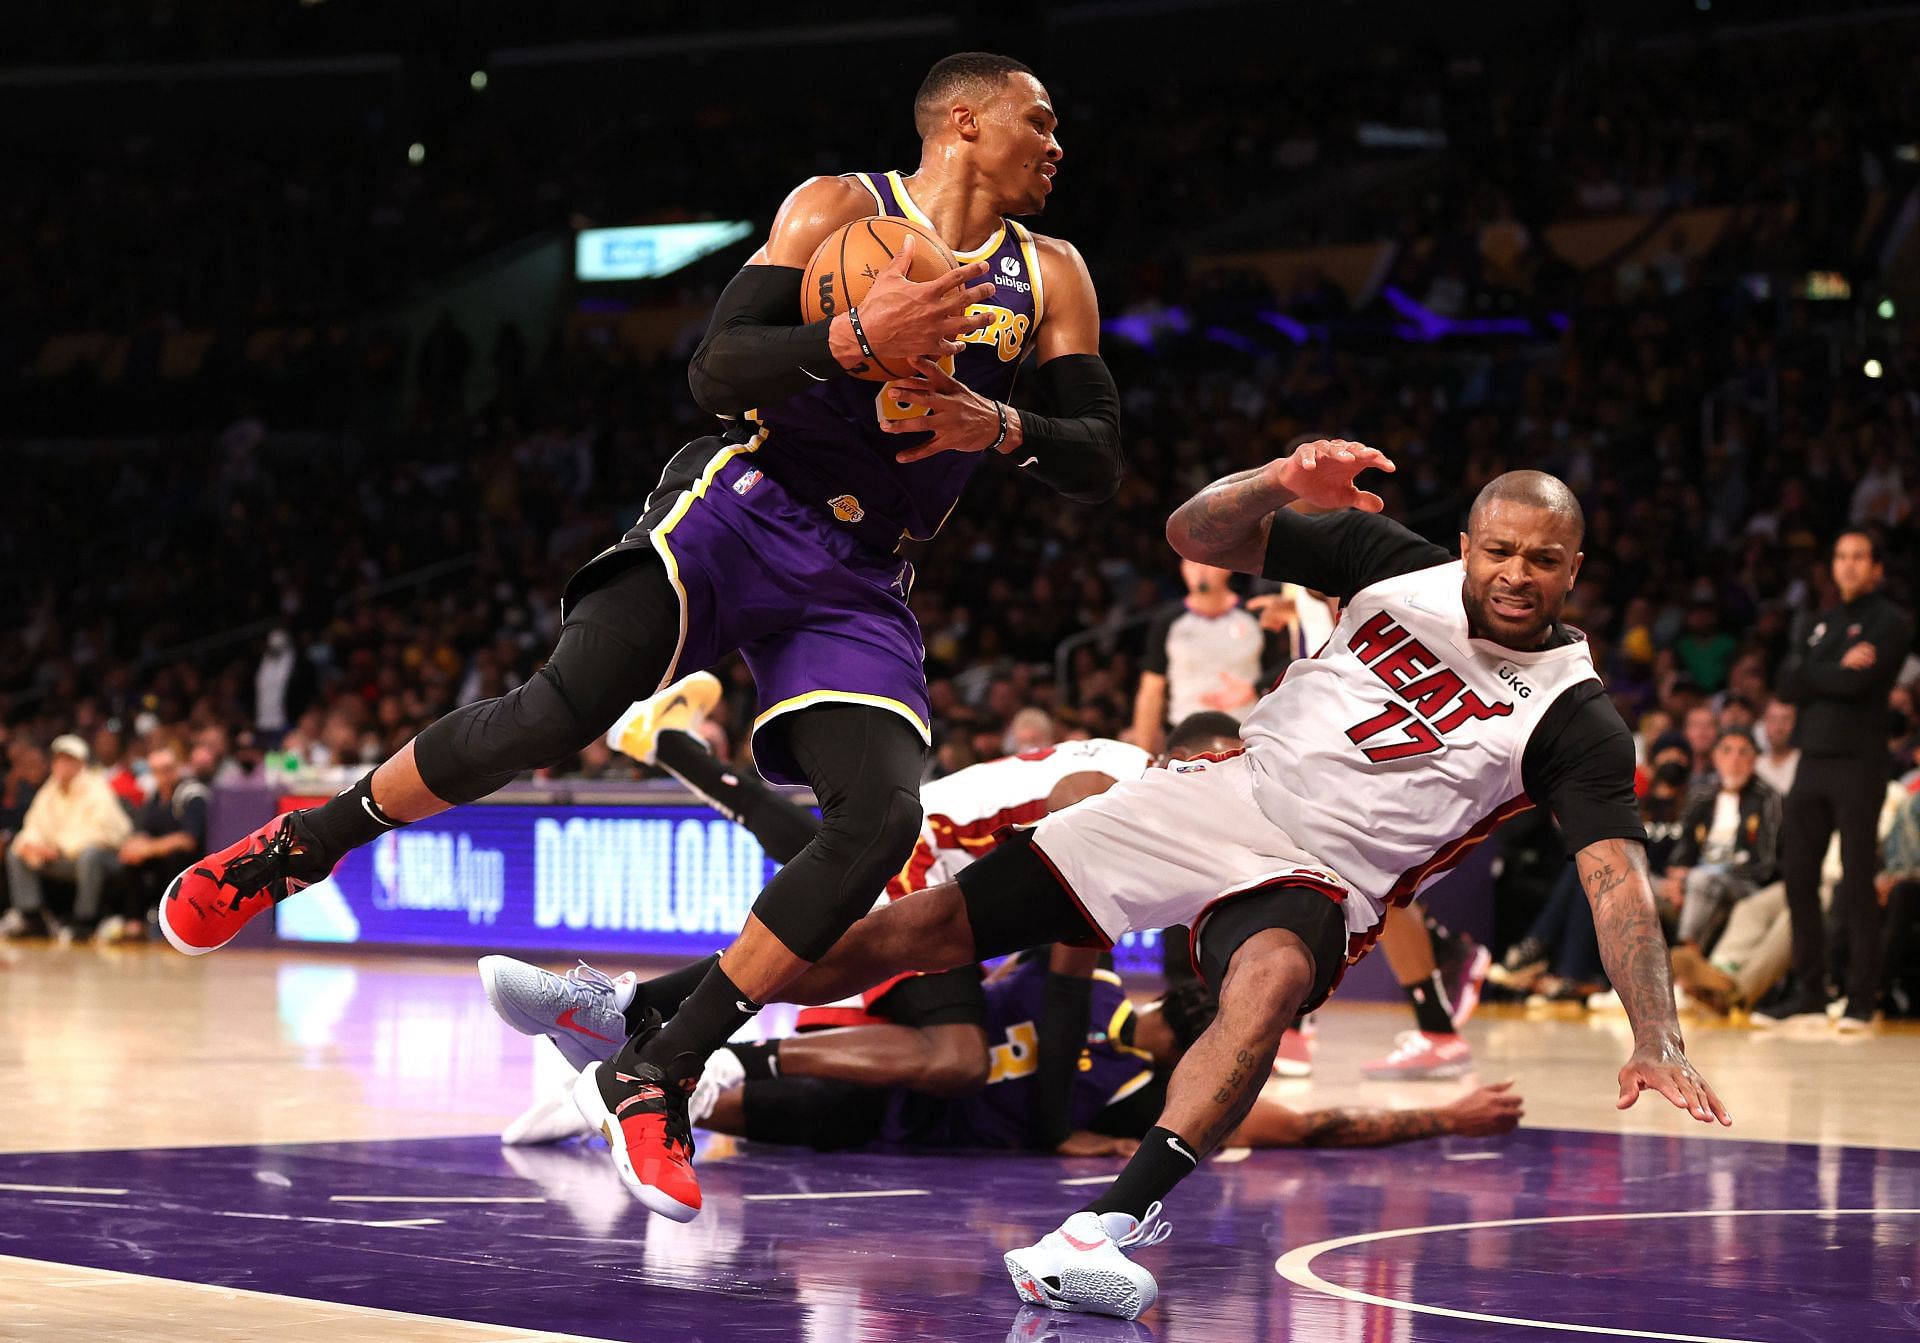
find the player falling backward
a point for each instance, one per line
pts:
(1449, 698)
(779, 538)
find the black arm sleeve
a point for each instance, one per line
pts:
(1579, 765)
(753, 352)
(1076, 451)
(1064, 1019)
(1343, 552)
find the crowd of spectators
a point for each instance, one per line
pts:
(259, 604)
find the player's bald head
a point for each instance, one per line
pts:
(963, 76)
(1531, 489)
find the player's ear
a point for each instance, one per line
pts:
(965, 123)
(1574, 576)
(1463, 547)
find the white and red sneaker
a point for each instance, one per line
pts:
(642, 1113)
(1294, 1058)
(207, 905)
(579, 1011)
(1082, 1267)
(1422, 1057)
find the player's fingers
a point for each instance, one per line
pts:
(1713, 1103)
(902, 259)
(1306, 456)
(1376, 459)
(980, 293)
(1629, 1087)
(1505, 1085)
(960, 276)
(934, 375)
(1368, 502)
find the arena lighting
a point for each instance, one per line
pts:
(650, 250)
(1885, 310)
(477, 81)
(1872, 368)
(416, 153)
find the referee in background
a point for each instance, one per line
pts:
(1840, 665)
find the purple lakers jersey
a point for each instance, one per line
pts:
(825, 445)
(1000, 1114)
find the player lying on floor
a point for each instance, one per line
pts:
(1450, 698)
(1116, 1090)
(1119, 1089)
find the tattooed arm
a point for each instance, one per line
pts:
(1614, 874)
(1481, 1113)
(1227, 523)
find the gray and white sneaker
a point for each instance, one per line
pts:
(1082, 1265)
(579, 1011)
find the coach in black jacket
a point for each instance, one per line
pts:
(1840, 665)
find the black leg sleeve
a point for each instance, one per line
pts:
(616, 646)
(864, 766)
(783, 827)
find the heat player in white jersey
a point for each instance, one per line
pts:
(1449, 698)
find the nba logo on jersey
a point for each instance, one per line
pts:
(746, 482)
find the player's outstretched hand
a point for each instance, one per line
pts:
(1083, 1143)
(907, 319)
(959, 418)
(1485, 1112)
(1322, 472)
(1665, 1069)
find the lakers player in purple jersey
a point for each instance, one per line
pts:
(779, 537)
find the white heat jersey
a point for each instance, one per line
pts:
(1398, 748)
(965, 810)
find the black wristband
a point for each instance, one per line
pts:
(859, 334)
(994, 446)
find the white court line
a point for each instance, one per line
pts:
(847, 1193)
(1296, 1265)
(330, 1221)
(1088, 1179)
(76, 1203)
(1471, 1156)
(57, 1189)
(422, 1198)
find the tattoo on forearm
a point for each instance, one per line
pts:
(1369, 1128)
(1229, 511)
(1632, 944)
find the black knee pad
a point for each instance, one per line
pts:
(836, 878)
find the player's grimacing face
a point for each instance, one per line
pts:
(1018, 145)
(1521, 562)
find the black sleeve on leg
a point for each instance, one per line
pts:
(1064, 1018)
(782, 826)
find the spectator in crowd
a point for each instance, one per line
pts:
(1898, 885)
(169, 829)
(1701, 730)
(72, 832)
(1728, 849)
(26, 771)
(1779, 757)
(1212, 654)
(1842, 662)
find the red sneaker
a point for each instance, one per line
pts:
(210, 902)
(642, 1114)
(1420, 1057)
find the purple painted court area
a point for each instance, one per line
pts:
(784, 1251)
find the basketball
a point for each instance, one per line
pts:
(843, 267)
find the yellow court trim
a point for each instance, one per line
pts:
(658, 538)
(919, 216)
(1032, 254)
(813, 697)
